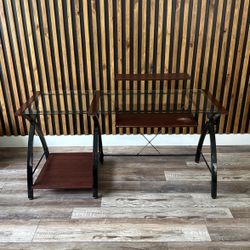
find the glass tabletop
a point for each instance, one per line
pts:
(110, 102)
(60, 103)
(175, 100)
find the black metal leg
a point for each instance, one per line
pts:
(101, 155)
(201, 141)
(30, 160)
(97, 125)
(95, 158)
(213, 161)
(44, 144)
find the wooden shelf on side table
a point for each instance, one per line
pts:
(66, 171)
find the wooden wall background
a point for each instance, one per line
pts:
(78, 44)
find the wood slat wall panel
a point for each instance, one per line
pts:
(75, 44)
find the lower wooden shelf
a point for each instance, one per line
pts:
(66, 171)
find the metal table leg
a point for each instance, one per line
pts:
(209, 127)
(97, 154)
(213, 161)
(95, 163)
(30, 160)
(34, 127)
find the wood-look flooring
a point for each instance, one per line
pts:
(145, 203)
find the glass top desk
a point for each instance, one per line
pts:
(131, 109)
(164, 108)
(180, 106)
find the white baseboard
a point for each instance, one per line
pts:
(125, 140)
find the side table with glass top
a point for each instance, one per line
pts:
(77, 170)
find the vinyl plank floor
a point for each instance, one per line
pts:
(17, 230)
(242, 245)
(229, 230)
(151, 212)
(76, 230)
(145, 203)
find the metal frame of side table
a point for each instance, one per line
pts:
(35, 128)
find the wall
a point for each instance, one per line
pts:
(56, 45)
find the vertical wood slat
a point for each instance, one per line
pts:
(43, 86)
(33, 31)
(149, 63)
(56, 65)
(231, 60)
(239, 58)
(32, 64)
(80, 67)
(14, 54)
(2, 132)
(5, 127)
(175, 57)
(221, 77)
(9, 68)
(86, 48)
(126, 46)
(141, 51)
(22, 56)
(158, 50)
(46, 65)
(119, 47)
(198, 60)
(71, 55)
(134, 56)
(246, 107)
(111, 60)
(8, 114)
(4, 94)
(167, 46)
(183, 52)
(211, 9)
(103, 60)
(81, 45)
(48, 61)
(214, 54)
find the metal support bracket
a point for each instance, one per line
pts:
(149, 143)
